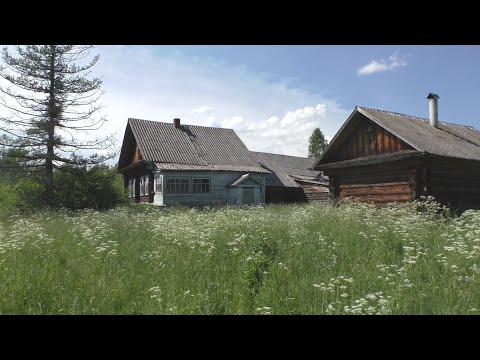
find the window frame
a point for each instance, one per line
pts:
(201, 185)
(157, 177)
(167, 188)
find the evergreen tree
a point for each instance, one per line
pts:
(52, 103)
(317, 144)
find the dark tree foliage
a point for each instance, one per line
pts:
(317, 144)
(49, 108)
(12, 166)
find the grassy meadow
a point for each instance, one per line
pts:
(277, 259)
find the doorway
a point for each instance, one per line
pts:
(248, 195)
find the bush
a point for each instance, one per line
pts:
(100, 188)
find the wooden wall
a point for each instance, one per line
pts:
(454, 182)
(380, 184)
(220, 191)
(282, 194)
(314, 192)
(366, 139)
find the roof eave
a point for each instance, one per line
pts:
(373, 160)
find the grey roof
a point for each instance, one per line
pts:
(450, 140)
(282, 166)
(192, 147)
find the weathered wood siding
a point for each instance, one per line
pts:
(220, 192)
(453, 182)
(315, 192)
(378, 184)
(137, 155)
(282, 194)
(366, 139)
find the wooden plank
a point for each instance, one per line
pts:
(366, 147)
(386, 142)
(390, 197)
(371, 185)
(354, 147)
(380, 140)
(377, 191)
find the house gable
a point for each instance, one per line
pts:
(130, 152)
(361, 137)
(246, 180)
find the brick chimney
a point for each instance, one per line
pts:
(176, 123)
(432, 99)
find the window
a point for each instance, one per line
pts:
(158, 183)
(142, 186)
(200, 185)
(131, 187)
(177, 185)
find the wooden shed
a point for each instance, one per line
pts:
(384, 156)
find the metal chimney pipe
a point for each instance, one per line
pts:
(433, 106)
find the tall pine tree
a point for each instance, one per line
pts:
(317, 144)
(49, 103)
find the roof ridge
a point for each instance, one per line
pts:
(414, 117)
(164, 122)
(262, 152)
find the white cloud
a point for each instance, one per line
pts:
(202, 109)
(375, 66)
(289, 134)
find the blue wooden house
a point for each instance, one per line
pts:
(167, 164)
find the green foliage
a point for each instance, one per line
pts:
(317, 144)
(98, 188)
(8, 198)
(280, 259)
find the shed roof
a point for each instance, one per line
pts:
(282, 166)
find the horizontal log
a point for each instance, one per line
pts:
(390, 197)
(385, 184)
(378, 170)
(392, 190)
(371, 180)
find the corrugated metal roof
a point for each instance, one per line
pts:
(452, 140)
(190, 146)
(282, 166)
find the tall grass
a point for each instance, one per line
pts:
(292, 259)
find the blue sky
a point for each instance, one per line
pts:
(274, 96)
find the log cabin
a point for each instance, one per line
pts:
(167, 164)
(383, 156)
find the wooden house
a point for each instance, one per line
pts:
(166, 164)
(384, 156)
(291, 179)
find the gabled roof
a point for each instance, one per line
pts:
(244, 178)
(450, 140)
(282, 166)
(190, 147)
